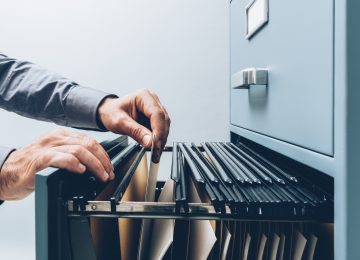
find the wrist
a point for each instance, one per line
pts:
(103, 113)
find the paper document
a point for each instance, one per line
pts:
(274, 246)
(202, 236)
(262, 247)
(299, 245)
(149, 197)
(163, 229)
(226, 242)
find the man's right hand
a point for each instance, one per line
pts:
(62, 149)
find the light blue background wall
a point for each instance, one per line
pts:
(179, 49)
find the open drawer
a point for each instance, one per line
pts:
(218, 193)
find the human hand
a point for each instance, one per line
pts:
(62, 149)
(139, 115)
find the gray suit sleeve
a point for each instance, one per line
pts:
(31, 91)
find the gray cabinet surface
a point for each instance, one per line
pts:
(297, 46)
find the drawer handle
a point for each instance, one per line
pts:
(248, 77)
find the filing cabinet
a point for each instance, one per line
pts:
(307, 108)
(303, 115)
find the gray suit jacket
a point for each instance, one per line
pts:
(31, 91)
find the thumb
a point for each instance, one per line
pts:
(138, 132)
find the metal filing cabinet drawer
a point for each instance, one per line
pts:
(296, 46)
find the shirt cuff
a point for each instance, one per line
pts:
(82, 105)
(4, 153)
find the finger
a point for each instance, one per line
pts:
(63, 137)
(94, 147)
(52, 158)
(91, 162)
(161, 132)
(98, 151)
(138, 132)
(91, 142)
(159, 122)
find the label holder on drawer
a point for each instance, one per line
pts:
(257, 15)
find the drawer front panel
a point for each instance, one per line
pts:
(296, 46)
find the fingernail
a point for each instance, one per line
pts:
(146, 140)
(112, 175)
(81, 167)
(105, 176)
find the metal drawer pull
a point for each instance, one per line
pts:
(248, 77)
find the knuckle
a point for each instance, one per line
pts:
(45, 157)
(45, 139)
(76, 150)
(153, 94)
(59, 132)
(143, 91)
(74, 161)
(90, 143)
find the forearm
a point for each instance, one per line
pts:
(31, 91)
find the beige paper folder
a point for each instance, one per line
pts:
(299, 245)
(261, 247)
(129, 229)
(274, 246)
(246, 246)
(226, 242)
(202, 236)
(163, 229)
(281, 250)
